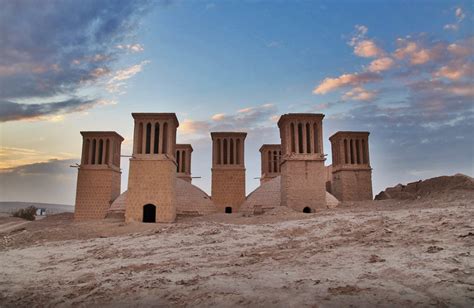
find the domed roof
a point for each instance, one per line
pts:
(190, 200)
(267, 196)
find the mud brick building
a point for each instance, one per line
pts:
(293, 173)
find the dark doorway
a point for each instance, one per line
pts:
(306, 210)
(228, 210)
(149, 213)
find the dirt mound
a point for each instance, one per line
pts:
(430, 187)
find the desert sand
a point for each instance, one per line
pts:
(377, 253)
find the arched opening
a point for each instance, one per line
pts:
(231, 151)
(275, 162)
(346, 159)
(358, 151)
(269, 162)
(107, 152)
(316, 136)
(218, 152)
(237, 152)
(292, 137)
(86, 154)
(149, 213)
(300, 138)
(228, 210)
(364, 152)
(94, 147)
(225, 151)
(140, 138)
(279, 161)
(308, 139)
(148, 138)
(178, 162)
(157, 138)
(351, 143)
(101, 151)
(183, 161)
(165, 139)
(307, 210)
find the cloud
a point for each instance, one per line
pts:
(51, 181)
(359, 94)
(459, 15)
(11, 111)
(331, 84)
(453, 27)
(456, 70)
(364, 47)
(360, 33)
(134, 48)
(47, 52)
(11, 158)
(381, 64)
(129, 72)
(367, 49)
(462, 48)
(218, 117)
(192, 127)
(116, 83)
(243, 120)
(418, 54)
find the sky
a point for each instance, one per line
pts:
(402, 70)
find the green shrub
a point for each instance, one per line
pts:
(28, 213)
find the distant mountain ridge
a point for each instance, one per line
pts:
(11, 206)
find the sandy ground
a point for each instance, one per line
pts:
(384, 253)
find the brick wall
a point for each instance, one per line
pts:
(151, 182)
(352, 185)
(303, 184)
(228, 188)
(96, 189)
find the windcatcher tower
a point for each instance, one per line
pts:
(303, 180)
(351, 171)
(228, 170)
(98, 178)
(270, 160)
(183, 161)
(151, 195)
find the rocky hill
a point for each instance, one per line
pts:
(434, 187)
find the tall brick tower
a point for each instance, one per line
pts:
(98, 177)
(303, 179)
(351, 171)
(270, 160)
(183, 160)
(228, 170)
(151, 195)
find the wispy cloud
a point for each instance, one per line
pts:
(359, 94)
(355, 79)
(64, 55)
(11, 111)
(382, 64)
(459, 15)
(11, 158)
(245, 119)
(134, 48)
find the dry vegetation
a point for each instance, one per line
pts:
(381, 253)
